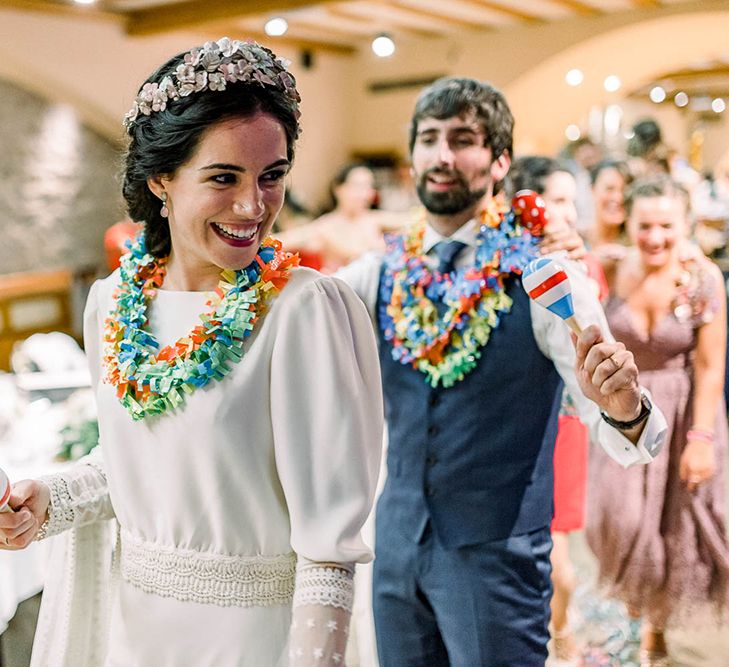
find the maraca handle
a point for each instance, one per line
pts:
(573, 324)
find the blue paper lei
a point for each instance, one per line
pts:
(446, 347)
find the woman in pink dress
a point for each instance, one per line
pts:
(659, 532)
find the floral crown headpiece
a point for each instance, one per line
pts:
(213, 67)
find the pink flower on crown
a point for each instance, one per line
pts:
(146, 98)
(148, 91)
(201, 81)
(131, 115)
(192, 58)
(185, 74)
(229, 72)
(211, 58)
(287, 81)
(216, 81)
(167, 86)
(263, 78)
(227, 46)
(198, 82)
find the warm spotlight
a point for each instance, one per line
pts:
(657, 94)
(572, 132)
(574, 77)
(681, 99)
(718, 105)
(276, 26)
(383, 46)
(612, 83)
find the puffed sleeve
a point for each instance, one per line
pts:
(327, 419)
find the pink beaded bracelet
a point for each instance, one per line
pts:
(701, 434)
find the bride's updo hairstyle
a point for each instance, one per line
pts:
(186, 96)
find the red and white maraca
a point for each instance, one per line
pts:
(546, 282)
(4, 492)
(531, 210)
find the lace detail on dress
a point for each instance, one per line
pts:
(208, 578)
(320, 619)
(79, 496)
(324, 585)
(60, 511)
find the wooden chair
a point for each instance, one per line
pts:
(37, 302)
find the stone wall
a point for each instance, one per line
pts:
(59, 186)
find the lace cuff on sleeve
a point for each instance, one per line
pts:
(79, 496)
(322, 607)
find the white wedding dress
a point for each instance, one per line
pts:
(218, 500)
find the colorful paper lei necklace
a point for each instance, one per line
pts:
(445, 347)
(150, 380)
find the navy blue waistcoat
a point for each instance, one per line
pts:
(475, 458)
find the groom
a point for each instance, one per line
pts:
(473, 374)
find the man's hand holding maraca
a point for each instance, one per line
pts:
(608, 376)
(606, 371)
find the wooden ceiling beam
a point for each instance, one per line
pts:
(455, 21)
(190, 13)
(323, 22)
(647, 4)
(74, 10)
(581, 8)
(384, 22)
(713, 70)
(498, 8)
(214, 31)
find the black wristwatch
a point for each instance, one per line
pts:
(645, 409)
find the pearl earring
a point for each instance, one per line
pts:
(164, 211)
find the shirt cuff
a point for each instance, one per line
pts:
(650, 443)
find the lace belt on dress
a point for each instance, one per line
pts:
(207, 578)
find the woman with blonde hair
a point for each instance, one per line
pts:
(661, 540)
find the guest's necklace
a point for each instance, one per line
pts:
(446, 346)
(150, 380)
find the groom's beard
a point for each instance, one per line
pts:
(458, 197)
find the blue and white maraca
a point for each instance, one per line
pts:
(546, 282)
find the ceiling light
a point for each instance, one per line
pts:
(572, 132)
(574, 77)
(718, 105)
(84, 2)
(383, 46)
(612, 83)
(681, 99)
(276, 26)
(657, 94)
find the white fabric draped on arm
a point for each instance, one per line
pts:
(553, 337)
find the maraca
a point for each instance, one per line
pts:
(545, 281)
(531, 211)
(4, 492)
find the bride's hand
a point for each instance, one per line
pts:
(29, 501)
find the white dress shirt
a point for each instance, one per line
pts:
(550, 333)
